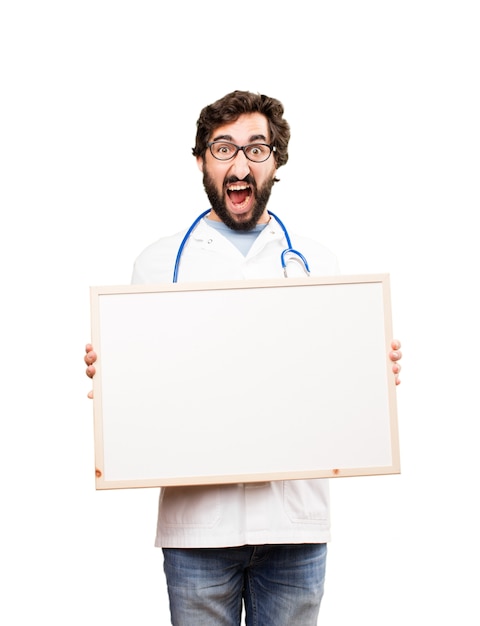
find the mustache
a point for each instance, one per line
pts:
(230, 180)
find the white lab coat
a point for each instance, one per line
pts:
(255, 513)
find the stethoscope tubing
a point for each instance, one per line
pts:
(184, 241)
(283, 256)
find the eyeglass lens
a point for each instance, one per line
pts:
(225, 151)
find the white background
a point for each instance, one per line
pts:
(98, 108)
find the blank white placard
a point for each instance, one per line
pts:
(243, 381)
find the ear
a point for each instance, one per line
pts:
(200, 163)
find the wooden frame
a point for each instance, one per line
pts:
(243, 381)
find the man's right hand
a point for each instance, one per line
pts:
(90, 358)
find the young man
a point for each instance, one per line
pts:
(260, 543)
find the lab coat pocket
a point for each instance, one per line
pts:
(306, 501)
(193, 507)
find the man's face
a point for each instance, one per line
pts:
(239, 189)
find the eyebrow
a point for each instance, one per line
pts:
(230, 138)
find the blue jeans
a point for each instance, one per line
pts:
(281, 585)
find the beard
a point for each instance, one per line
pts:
(261, 197)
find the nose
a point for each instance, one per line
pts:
(240, 165)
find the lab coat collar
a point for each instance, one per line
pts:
(272, 232)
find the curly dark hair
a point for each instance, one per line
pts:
(230, 107)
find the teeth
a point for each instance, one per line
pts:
(237, 187)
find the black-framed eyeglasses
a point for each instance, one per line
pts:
(256, 152)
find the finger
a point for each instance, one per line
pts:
(396, 345)
(90, 357)
(395, 355)
(90, 371)
(90, 394)
(396, 369)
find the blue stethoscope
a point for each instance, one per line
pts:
(283, 257)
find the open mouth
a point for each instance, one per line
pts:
(239, 193)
